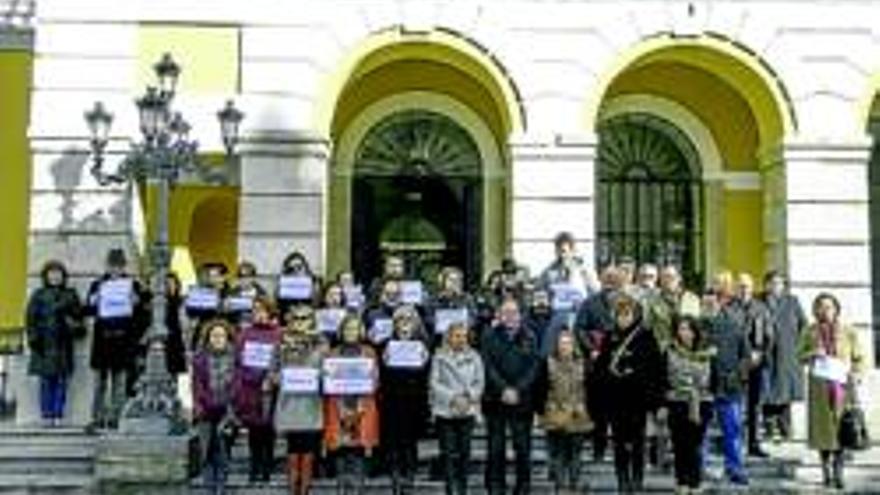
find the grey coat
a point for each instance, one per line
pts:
(299, 412)
(786, 372)
(454, 374)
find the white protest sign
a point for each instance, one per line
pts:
(831, 369)
(412, 292)
(116, 298)
(204, 298)
(348, 376)
(257, 354)
(444, 318)
(240, 304)
(295, 288)
(300, 380)
(566, 296)
(381, 330)
(406, 354)
(329, 319)
(354, 297)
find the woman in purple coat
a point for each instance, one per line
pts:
(213, 367)
(255, 351)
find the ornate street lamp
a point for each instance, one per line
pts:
(165, 152)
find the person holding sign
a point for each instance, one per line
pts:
(175, 349)
(450, 304)
(54, 321)
(299, 412)
(255, 352)
(204, 301)
(836, 360)
(393, 270)
(296, 285)
(213, 368)
(332, 311)
(379, 318)
(239, 302)
(117, 303)
(352, 419)
(457, 380)
(404, 400)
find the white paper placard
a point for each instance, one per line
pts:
(354, 297)
(204, 298)
(566, 296)
(406, 354)
(240, 304)
(830, 368)
(348, 376)
(295, 288)
(444, 318)
(381, 330)
(412, 292)
(300, 380)
(257, 354)
(116, 298)
(329, 319)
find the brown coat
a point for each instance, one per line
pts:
(566, 406)
(366, 429)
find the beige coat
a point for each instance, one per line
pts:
(823, 415)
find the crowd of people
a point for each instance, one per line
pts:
(346, 375)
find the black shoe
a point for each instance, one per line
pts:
(757, 451)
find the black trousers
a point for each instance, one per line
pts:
(600, 435)
(777, 417)
(628, 428)
(520, 425)
(261, 441)
(351, 470)
(753, 406)
(687, 442)
(403, 453)
(455, 448)
(565, 457)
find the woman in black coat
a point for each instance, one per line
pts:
(632, 376)
(54, 320)
(175, 350)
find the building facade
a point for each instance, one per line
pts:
(715, 134)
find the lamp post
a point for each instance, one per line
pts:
(163, 154)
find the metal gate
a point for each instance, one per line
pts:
(649, 204)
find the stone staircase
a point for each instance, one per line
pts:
(61, 461)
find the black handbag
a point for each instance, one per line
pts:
(853, 432)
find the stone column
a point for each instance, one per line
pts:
(282, 209)
(553, 189)
(828, 235)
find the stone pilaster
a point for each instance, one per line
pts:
(553, 190)
(282, 209)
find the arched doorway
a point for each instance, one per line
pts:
(417, 192)
(707, 103)
(649, 198)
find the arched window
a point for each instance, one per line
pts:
(649, 204)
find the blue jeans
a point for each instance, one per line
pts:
(53, 396)
(729, 413)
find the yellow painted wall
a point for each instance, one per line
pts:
(15, 78)
(203, 227)
(743, 232)
(719, 106)
(209, 56)
(417, 75)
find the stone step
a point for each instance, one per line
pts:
(46, 483)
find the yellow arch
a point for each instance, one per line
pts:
(731, 62)
(439, 45)
(868, 105)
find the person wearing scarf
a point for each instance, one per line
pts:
(826, 339)
(689, 400)
(632, 381)
(298, 408)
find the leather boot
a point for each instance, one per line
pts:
(293, 473)
(837, 470)
(826, 468)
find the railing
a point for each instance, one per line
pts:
(17, 13)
